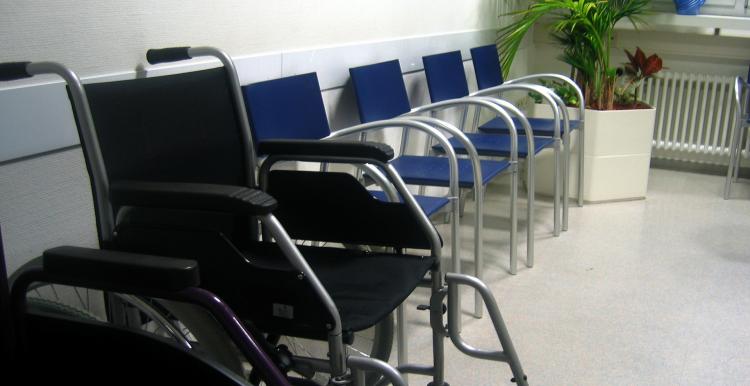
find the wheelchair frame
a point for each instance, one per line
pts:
(444, 286)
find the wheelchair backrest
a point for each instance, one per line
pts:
(286, 108)
(487, 68)
(180, 128)
(380, 90)
(445, 75)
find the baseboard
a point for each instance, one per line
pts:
(695, 167)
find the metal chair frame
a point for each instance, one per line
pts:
(742, 123)
(532, 78)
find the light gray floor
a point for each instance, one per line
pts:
(651, 292)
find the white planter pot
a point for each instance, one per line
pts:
(617, 155)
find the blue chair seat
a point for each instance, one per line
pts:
(544, 127)
(430, 205)
(434, 171)
(498, 145)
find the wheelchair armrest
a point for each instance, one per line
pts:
(95, 267)
(177, 195)
(317, 148)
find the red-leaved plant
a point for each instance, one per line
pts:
(634, 73)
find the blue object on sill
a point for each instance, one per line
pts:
(688, 7)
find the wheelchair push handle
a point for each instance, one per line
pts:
(165, 55)
(13, 70)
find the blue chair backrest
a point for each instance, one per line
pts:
(446, 78)
(286, 108)
(487, 66)
(380, 90)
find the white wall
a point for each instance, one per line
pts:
(682, 50)
(96, 37)
(45, 201)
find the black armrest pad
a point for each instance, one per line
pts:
(353, 149)
(86, 266)
(221, 198)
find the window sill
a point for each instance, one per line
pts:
(704, 24)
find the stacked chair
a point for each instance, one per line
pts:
(381, 93)
(489, 76)
(172, 166)
(446, 80)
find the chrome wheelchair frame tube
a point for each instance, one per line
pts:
(508, 353)
(338, 359)
(453, 195)
(335, 341)
(105, 221)
(381, 180)
(400, 187)
(239, 105)
(546, 94)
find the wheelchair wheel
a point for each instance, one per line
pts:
(187, 325)
(375, 342)
(122, 310)
(52, 307)
(66, 301)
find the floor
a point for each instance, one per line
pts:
(649, 292)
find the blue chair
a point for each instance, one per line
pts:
(742, 122)
(292, 108)
(488, 72)
(381, 94)
(446, 79)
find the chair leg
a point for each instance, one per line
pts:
(475, 121)
(738, 158)
(580, 163)
(462, 204)
(738, 161)
(479, 194)
(514, 219)
(455, 236)
(556, 189)
(566, 180)
(401, 336)
(733, 144)
(531, 201)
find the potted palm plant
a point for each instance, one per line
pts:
(618, 134)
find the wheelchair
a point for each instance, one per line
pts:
(173, 173)
(87, 351)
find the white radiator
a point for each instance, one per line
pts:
(694, 116)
